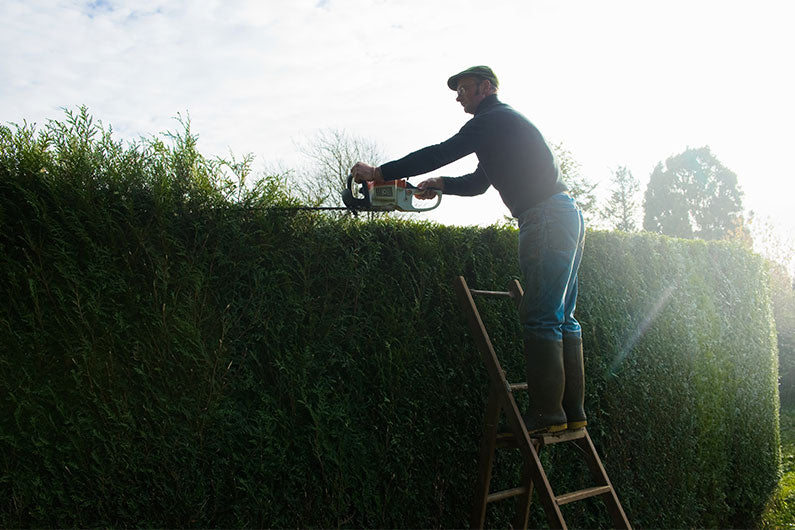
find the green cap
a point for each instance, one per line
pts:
(484, 72)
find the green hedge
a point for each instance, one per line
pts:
(782, 291)
(175, 355)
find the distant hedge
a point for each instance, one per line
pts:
(174, 354)
(782, 291)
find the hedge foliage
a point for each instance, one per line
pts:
(174, 354)
(782, 291)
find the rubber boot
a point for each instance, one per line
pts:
(574, 394)
(545, 385)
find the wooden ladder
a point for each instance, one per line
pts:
(501, 400)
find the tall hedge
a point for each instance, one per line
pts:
(175, 354)
(782, 292)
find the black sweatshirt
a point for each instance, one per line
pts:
(512, 156)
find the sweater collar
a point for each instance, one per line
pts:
(487, 103)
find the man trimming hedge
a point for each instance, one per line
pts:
(514, 158)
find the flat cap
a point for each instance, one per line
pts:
(483, 72)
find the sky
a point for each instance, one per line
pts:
(618, 83)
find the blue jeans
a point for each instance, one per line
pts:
(551, 240)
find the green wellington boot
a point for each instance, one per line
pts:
(545, 385)
(574, 394)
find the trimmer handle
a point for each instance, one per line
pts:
(351, 202)
(417, 191)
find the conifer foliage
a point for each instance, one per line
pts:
(622, 206)
(176, 353)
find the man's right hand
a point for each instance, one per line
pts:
(433, 183)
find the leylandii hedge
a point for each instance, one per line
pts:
(173, 354)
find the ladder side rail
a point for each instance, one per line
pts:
(617, 515)
(512, 413)
(522, 514)
(479, 333)
(530, 455)
(515, 288)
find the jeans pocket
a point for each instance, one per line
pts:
(532, 236)
(565, 229)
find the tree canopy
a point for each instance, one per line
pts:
(692, 196)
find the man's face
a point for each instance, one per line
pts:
(470, 93)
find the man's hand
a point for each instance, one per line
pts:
(363, 172)
(433, 183)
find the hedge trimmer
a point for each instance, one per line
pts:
(383, 196)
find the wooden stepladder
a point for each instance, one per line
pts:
(533, 476)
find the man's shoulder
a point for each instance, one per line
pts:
(496, 106)
(494, 117)
(501, 111)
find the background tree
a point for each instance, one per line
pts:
(582, 189)
(740, 232)
(692, 195)
(621, 209)
(331, 154)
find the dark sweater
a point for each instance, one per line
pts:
(512, 156)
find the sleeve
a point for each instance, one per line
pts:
(467, 185)
(433, 157)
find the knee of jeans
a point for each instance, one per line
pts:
(533, 333)
(547, 326)
(572, 329)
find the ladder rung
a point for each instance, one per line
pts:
(506, 494)
(518, 386)
(504, 294)
(507, 439)
(582, 494)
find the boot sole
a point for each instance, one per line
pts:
(574, 425)
(549, 429)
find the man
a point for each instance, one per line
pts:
(514, 158)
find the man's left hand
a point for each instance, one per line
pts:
(364, 172)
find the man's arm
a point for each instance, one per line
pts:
(433, 157)
(428, 158)
(467, 185)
